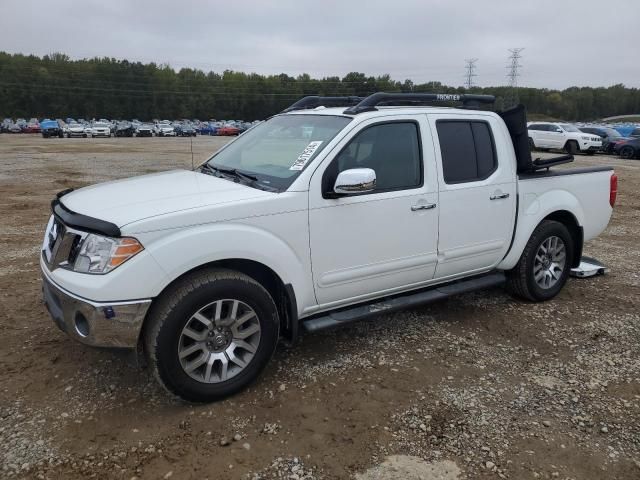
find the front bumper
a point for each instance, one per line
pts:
(590, 146)
(99, 324)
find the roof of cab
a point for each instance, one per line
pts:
(385, 110)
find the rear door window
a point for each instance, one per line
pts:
(467, 150)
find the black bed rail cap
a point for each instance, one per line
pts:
(370, 103)
(314, 101)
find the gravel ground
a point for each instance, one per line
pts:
(478, 386)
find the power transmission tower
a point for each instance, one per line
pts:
(513, 74)
(470, 72)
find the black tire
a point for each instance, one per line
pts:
(590, 152)
(532, 145)
(84, 135)
(571, 147)
(627, 152)
(175, 308)
(521, 281)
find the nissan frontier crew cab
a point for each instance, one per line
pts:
(335, 210)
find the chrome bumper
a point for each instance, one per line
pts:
(113, 324)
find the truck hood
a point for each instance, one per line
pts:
(129, 200)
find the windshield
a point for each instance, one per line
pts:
(100, 125)
(276, 151)
(570, 128)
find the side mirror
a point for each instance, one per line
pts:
(558, 130)
(355, 180)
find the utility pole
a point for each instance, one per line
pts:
(513, 74)
(470, 72)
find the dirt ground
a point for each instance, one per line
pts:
(479, 386)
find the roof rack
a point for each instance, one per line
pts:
(315, 101)
(370, 103)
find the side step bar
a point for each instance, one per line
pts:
(402, 301)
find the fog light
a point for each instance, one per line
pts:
(82, 325)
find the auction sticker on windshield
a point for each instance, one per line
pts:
(306, 154)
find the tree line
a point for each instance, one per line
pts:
(58, 87)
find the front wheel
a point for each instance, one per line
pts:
(544, 265)
(211, 335)
(571, 147)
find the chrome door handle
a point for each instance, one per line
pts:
(426, 206)
(498, 197)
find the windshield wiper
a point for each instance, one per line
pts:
(251, 180)
(230, 171)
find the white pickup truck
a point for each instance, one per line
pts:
(317, 217)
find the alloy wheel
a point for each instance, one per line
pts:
(549, 262)
(219, 341)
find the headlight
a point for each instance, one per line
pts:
(100, 254)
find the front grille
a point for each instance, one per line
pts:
(64, 248)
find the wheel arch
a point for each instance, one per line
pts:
(577, 234)
(569, 213)
(282, 293)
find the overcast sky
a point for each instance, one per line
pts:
(565, 42)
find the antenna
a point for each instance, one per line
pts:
(470, 67)
(191, 145)
(512, 75)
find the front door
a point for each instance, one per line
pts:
(367, 244)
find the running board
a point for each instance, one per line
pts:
(402, 301)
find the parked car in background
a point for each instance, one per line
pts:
(628, 130)
(206, 128)
(164, 130)
(32, 127)
(15, 128)
(628, 149)
(610, 136)
(185, 130)
(124, 129)
(5, 125)
(75, 129)
(228, 130)
(51, 128)
(144, 130)
(562, 136)
(100, 129)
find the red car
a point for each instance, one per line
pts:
(228, 130)
(32, 127)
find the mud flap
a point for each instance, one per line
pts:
(589, 267)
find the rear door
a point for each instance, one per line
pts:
(477, 192)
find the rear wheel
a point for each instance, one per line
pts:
(627, 152)
(532, 145)
(211, 335)
(571, 147)
(545, 263)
